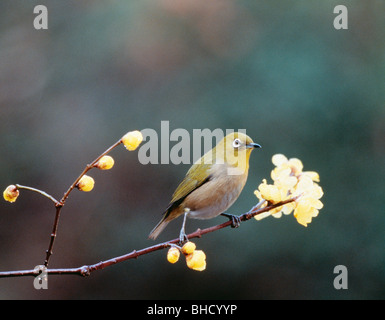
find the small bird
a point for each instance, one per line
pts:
(212, 184)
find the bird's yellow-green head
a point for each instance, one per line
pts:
(233, 150)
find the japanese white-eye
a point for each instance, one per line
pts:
(212, 184)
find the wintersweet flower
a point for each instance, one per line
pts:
(173, 255)
(271, 192)
(132, 140)
(11, 193)
(86, 183)
(188, 248)
(291, 181)
(308, 205)
(105, 163)
(196, 260)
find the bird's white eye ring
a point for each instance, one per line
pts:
(236, 143)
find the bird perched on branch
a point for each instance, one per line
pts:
(212, 184)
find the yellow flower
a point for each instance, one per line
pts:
(283, 177)
(11, 193)
(86, 183)
(273, 194)
(291, 181)
(196, 260)
(270, 192)
(105, 163)
(279, 160)
(173, 255)
(132, 140)
(308, 205)
(188, 247)
(306, 210)
(312, 175)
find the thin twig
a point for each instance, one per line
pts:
(86, 169)
(49, 251)
(60, 204)
(45, 194)
(87, 269)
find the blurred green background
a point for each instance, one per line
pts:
(278, 69)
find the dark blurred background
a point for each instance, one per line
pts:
(278, 69)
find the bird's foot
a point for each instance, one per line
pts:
(235, 220)
(182, 237)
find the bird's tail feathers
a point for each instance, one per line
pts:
(158, 228)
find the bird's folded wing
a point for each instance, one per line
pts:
(198, 175)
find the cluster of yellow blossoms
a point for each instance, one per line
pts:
(289, 182)
(131, 140)
(195, 259)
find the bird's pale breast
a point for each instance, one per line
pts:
(215, 196)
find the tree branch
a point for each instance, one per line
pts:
(60, 204)
(87, 269)
(45, 194)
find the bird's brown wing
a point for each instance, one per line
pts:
(197, 176)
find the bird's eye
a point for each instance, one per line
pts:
(236, 143)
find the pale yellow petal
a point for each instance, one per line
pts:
(317, 204)
(287, 182)
(280, 172)
(262, 215)
(258, 195)
(288, 208)
(270, 192)
(278, 159)
(196, 260)
(304, 212)
(317, 191)
(296, 165)
(314, 212)
(277, 215)
(313, 175)
(305, 184)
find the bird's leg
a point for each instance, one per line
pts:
(182, 235)
(235, 220)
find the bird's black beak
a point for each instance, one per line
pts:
(253, 145)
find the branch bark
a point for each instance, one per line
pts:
(87, 269)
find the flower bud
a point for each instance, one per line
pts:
(11, 193)
(188, 247)
(86, 183)
(173, 255)
(132, 140)
(196, 260)
(105, 163)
